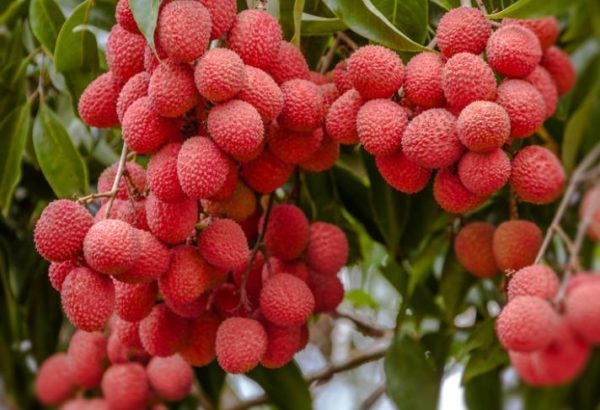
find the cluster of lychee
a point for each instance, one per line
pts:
(446, 111)
(169, 253)
(128, 378)
(547, 330)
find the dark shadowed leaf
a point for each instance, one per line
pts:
(76, 47)
(408, 16)
(60, 162)
(533, 8)
(454, 286)
(484, 392)
(318, 26)
(211, 378)
(46, 19)
(285, 386)
(145, 13)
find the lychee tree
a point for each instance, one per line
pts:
(362, 200)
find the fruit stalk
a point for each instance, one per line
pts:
(118, 175)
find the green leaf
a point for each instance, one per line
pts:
(483, 361)
(359, 298)
(212, 379)
(13, 12)
(290, 16)
(454, 285)
(76, 47)
(145, 13)
(483, 336)
(60, 162)
(46, 19)
(533, 8)
(545, 399)
(321, 26)
(14, 130)
(408, 16)
(409, 369)
(422, 264)
(285, 387)
(363, 18)
(484, 392)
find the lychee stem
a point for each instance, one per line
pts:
(512, 204)
(118, 175)
(257, 247)
(326, 60)
(465, 3)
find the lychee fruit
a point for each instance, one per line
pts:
(162, 174)
(541, 79)
(143, 129)
(111, 246)
(124, 53)
(375, 72)
(222, 15)
(136, 87)
(293, 147)
(485, 173)
(135, 173)
(560, 67)
(327, 250)
(200, 350)
(340, 121)
(534, 280)
(283, 343)
(513, 51)
(170, 377)
(189, 310)
(582, 308)
(324, 158)
(590, 198)
(60, 231)
(423, 82)
(296, 267)
(463, 29)
(53, 382)
(220, 74)
(473, 248)
(341, 77)
(171, 222)
(88, 298)
(516, 244)
(286, 300)
(163, 332)
(467, 78)
(401, 173)
(289, 64)
(58, 271)
(172, 90)
(240, 344)
(451, 195)
(262, 92)
(303, 108)
(266, 173)
(483, 126)
(525, 107)
(125, 386)
(183, 30)
(328, 291)
(134, 301)
(287, 232)
(380, 124)
(254, 278)
(527, 323)
(537, 175)
(85, 356)
(239, 206)
(430, 139)
(97, 105)
(223, 244)
(153, 260)
(546, 28)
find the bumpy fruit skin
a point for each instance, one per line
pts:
(188, 276)
(136, 174)
(58, 271)
(524, 105)
(283, 344)
(560, 67)
(286, 300)
(451, 195)
(541, 79)
(222, 15)
(527, 323)
(223, 244)
(287, 232)
(150, 58)
(423, 82)
(380, 125)
(324, 158)
(262, 92)
(230, 183)
(237, 128)
(341, 77)
(582, 308)
(513, 51)
(484, 174)
(124, 53)
(401, 173)
(340, 121)
(289, 64)
(537, 175)
(467, 78)
(266, 173)
(534, 280)
(330, 93)
(473, 248)
(162, 174)
(163, 332)
(171, 222)
(589, 199)
(431, 140)
(516, 244)
(190, 310)
(483, 126)
(220, 74)
(546, 28)
(256, 36)
(254, 281)
(97, 106)
(296, 267)
(327, 249)
(111, 246)
(240, 344)
(225, 300)
(303, 108)
(88, 299)
(581, 278)
(328, 291)
(134, 213)
(152, 262)
(461, 30)
(375, 72)
(53, 382)
(136, 87)
(172, 90)
(134, 301)
(170, 377)
(125, 386)
(239, 206)
(60, 231)
(293, 147)
(183, 30)
(124, 17)
(143, 129)
(200, 350)
(201, 167)
(86, 352)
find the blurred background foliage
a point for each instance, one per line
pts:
(403, 275)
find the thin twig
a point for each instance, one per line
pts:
(373, 397)
(361, 325)
(346, 39)
(565, 238)
(326, 60)
(513, 208)
(118, 175)
(432, 43)
(92, 197)
(465, 3)
(481, 6)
